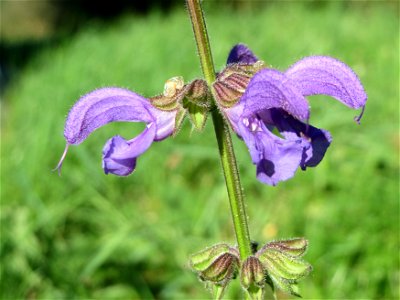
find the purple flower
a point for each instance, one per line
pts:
(106, 105)
(274, 99)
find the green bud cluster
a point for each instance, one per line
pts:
(278, 264)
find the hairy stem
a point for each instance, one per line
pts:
(222, 134)
(233, 185)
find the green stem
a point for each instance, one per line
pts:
(222, 134)
(201, 36)
(232, 179)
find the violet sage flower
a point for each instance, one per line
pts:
(256, 99)
(106, 105)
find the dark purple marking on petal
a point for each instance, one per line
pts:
(281, 158)
(291, 128)
(241, 54)
(272, 89)
(103, 106)
(320, 140)
(328, 76)
(267, 167)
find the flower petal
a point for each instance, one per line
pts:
(165, 121)
(233, 115)
(281, 158)
(291, 128)
(103, 106)
(272, 89)
(120, 167)
(241, 54)
(276, 159)
(119, 155)
(325, 75)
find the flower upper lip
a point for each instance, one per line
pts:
(102, 106)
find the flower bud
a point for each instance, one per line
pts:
(222, 269)
(283, 263)
(197, 102)
(294, 247)
(232, 82)
(201, 260)
(197, 92)
(252, 273)
(217, 264)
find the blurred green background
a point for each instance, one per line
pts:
(88, 235)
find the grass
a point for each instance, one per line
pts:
(87, 235)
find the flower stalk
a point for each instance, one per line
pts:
(222, 134)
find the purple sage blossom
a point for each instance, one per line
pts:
(106, 105)
(275, 99)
